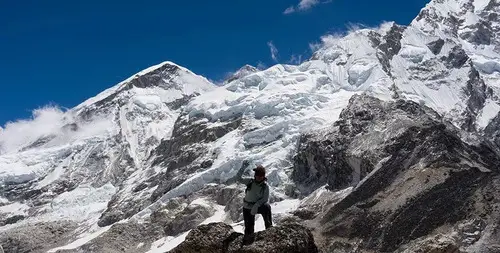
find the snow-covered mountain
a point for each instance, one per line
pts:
(156, 154)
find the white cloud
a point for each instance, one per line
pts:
(307, 4)
(46, 121)
(289, 10)
(304, 5)
(274, 51)
(49, 122)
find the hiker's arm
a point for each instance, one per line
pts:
(238, 177)
(261, 201)
(245, 180)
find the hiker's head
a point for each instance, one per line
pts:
(260, 173)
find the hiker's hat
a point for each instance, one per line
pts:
(260, 171)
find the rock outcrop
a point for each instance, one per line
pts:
(414, 176)
(37, 238)
(122, 237)
(220, 237)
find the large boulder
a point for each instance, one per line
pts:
(220, 237)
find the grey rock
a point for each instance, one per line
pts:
(390, 46)
(178, 103)
(220, 237)
(188, 143)
(207, 239)
(40, 142)
(423, 176)
(242, 72)
(12, 219)
(38, 237)
(480, 34)
(330, 159)
(436, 46)
(235, 206)
(122, 237)
(187, 219)
(179, 215)
(492, 131)
(118, 210)
(477, 93)
(182, 154)
(456, 58)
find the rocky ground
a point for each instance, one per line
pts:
(220, 237)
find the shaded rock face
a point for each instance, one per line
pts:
(242, 72)
(390, 47)
(122, 237)
(183, 153)
(456, 58)
(38, 237)
(413, 174)
(436, 46)
(176, 218)
(220, 237)
(337, 159)
(478, 92)
(493, 130)
(184, 213)
(117, 210)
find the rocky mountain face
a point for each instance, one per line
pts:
(416, 180)
(387, 139)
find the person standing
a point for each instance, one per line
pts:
(255, 201)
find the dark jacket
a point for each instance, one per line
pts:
(256, 193)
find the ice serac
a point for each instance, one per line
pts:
(399, 112)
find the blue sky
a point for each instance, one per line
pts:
(62, 52)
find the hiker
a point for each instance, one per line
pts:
(255, 200)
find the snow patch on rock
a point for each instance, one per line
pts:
(490, 111)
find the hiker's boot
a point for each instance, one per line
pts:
(248, 239)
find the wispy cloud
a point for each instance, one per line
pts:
(274, 51)
(304, 5)
(261, 65)
(295, 59)
(289, 10)
(307, 4)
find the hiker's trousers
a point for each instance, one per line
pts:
(264, 210)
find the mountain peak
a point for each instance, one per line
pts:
(164, 76)
(242, 72)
